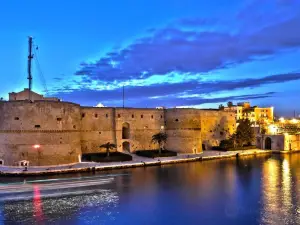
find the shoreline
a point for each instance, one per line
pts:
(137, 162)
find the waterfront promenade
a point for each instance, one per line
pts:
(137, 161)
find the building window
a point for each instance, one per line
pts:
(37, 126)
(1, 162)
(74, 126)
(16, 118)
(125, 131)
(132, 116)
(119, 115)
(176, 120)
(142, 116)
(96, 115)
(58, 119)
(161, 116)
(151, 116)
(106, 115)
(82, 115)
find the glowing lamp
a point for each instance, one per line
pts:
(36, 146)
(281, 119)
(294, 120)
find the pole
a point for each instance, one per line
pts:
(123, 97)
(30, 56)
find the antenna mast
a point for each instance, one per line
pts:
(123, 97)
(30, 57)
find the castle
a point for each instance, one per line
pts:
(47, 131)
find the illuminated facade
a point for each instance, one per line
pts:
(45, 132)
(280, 142)
(255, 114)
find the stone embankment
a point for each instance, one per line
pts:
(136, 162)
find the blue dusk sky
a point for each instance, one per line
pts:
(188, 53)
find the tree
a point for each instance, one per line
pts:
(161, 139)
(229, 104)
(244, 134)
(108, 146)
(221, 107)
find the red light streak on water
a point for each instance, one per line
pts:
(37, 204)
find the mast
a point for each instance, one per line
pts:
(123, 96)
(30, 56)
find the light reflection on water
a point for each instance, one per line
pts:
(252, 190)
(280, 192)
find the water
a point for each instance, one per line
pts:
(252, 190)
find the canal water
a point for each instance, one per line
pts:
(251, 190)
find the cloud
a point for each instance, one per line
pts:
(181, 50)
(185, 93)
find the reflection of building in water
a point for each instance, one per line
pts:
(270, 213)
(279, 193)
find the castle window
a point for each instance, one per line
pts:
(176, 120)
(119, 115)
(161, 116)
(151, 116)
(100, 132)
(82, 115)
(16, 118)
(96, 115)
(142, 116)
(1, 162)
(106, 115)
(74, 126)
(58, 119)
(37, 126)
(210, 131)
(132, 116)
(221, 133)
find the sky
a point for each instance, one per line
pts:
(171, 53)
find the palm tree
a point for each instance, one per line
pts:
(108, 146)
(161, 139)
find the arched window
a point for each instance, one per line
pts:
(125, 131)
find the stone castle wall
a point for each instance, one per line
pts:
(183, 127)
(216, 125)
(64, 130)
(54, 126)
